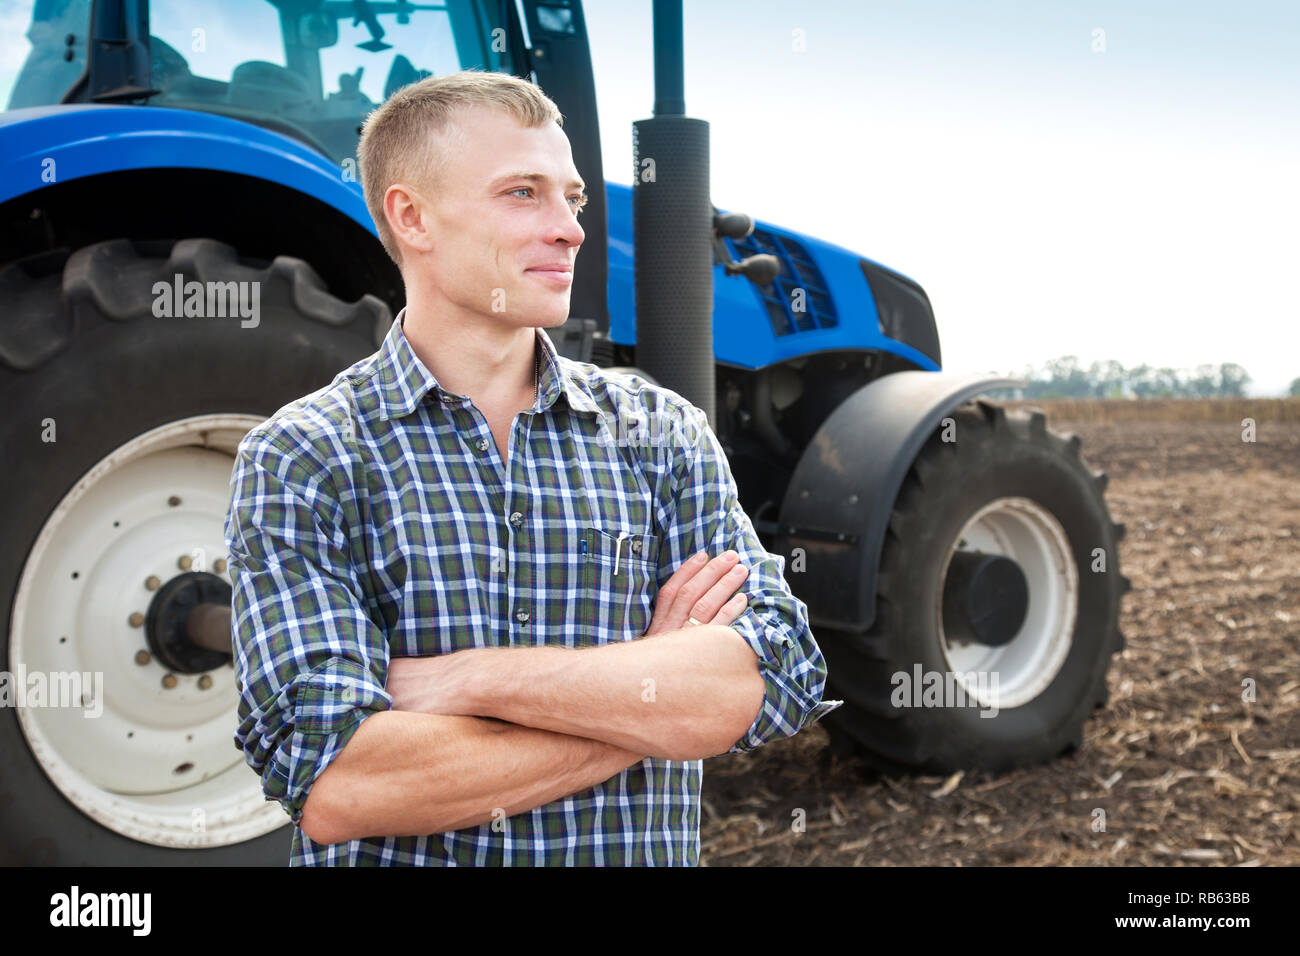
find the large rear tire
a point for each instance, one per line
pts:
(119, 431)
(1007, 485)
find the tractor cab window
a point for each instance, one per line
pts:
(308, 68)
(311, 69)
(37, 61)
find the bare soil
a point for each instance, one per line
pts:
(1187, 772)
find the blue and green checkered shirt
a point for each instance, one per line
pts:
(376, 518)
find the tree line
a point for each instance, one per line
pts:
(1066, 377)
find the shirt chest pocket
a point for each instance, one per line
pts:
(618, 584)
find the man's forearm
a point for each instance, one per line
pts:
(682, 695)
(407, 774)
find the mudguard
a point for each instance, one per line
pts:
(45, 144)
(838, 503)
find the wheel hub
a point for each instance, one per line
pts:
(176, 611)
(985, 599)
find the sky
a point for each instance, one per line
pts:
(1136, 198)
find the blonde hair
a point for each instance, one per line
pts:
(407, 139)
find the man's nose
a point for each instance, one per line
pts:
(565, 226)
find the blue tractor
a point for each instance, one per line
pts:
(151, 157)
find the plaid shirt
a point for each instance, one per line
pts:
(376, 518)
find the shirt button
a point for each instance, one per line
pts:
(482, 444)
(521, 616)
(636, 546)
(516, 519)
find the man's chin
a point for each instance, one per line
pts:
(549, 315)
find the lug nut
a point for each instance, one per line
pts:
(205, 682)
(219, 565)
(184, 562)
(152, 582)
(136, 619)
(173, 501)
(143, 657)
(169, 681)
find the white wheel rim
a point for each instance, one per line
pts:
(1020, 529)
(157, 765)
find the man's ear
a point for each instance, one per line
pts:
(408, 215)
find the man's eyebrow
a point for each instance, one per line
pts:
(535, 178)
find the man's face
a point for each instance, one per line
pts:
(493, 230)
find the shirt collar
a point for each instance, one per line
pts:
(404, 381)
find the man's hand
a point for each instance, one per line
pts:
(701, 589)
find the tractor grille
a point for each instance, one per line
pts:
(797, 300)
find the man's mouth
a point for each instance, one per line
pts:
(560, 275)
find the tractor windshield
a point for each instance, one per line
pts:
(311, 69)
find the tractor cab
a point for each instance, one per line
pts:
(310, 69)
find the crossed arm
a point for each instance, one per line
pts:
(574, 718)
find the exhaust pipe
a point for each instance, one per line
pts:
(672, 228)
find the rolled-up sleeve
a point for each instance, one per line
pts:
(708, 516)
(310, 664)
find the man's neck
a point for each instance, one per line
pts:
(492, 365)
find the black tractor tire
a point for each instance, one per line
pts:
(996, 454)
(80, 344)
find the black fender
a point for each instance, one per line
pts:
(838, 503)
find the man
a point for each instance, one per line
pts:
(474, 623)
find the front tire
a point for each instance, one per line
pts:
(120, 429)
(1009, 486)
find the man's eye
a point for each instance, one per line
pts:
(579, 201)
